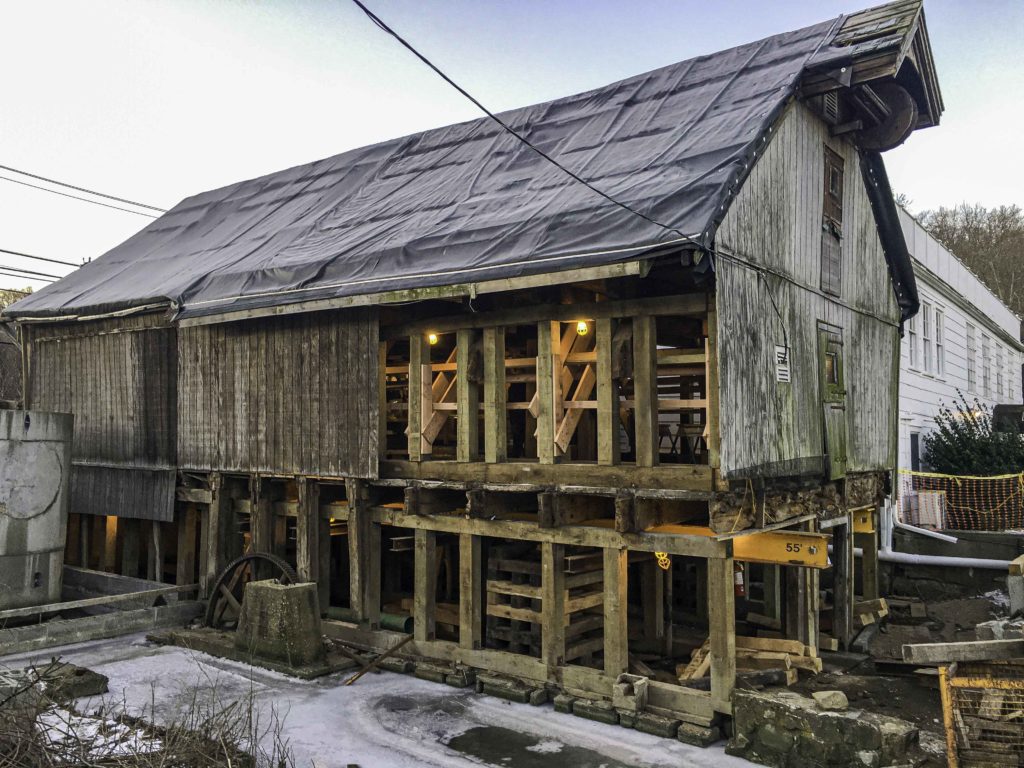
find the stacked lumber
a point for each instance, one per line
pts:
(756, 654)
(870, 611)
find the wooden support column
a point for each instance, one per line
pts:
(470, 592)
(84, 536)
(772, 586)
(223, 542)
(131, 540)
(652, 594)
(364, 555)
(645, 390)
(842, 593)
(425, 598)
(495, 397)
(188, 526)
(308, 530)
(608, 424)
(155, 555)
(110, 544)
(722, 632)
(552, 605)
(711, 380)
(382, 399)
(548, 388)
(71, 539)
(420, 396)
(869, 564)
(616, 612)
(468, 399)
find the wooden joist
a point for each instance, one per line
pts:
(978, 650)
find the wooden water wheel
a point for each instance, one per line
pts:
(225, 606)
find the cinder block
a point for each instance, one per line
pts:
(563, 703)
(698, 735)
(601, 711)
(656, 725)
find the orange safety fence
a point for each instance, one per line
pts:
(962, 502)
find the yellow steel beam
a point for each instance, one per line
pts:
(783, 547)
(863, 520)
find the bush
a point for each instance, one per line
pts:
(964, 443)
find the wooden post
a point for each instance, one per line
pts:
(470, 591)
(110, 544)
(71, 539)
(645, 390)
(616, 612)
(552, 605)
(382, 399)
(722, 632)
(772, 591)
(187, 529)
(608, 424)
(711, 383)
(223, 542)
(869, 565)
(547, 378)
(652, 594)
(131, 539)
(467, 394)
(420, 396)
(495, 397)
(842, 602)
(308, 530)
(425, 598)
(84, 535)
(155, 560)
(363, 555)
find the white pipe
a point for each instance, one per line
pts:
(889, 556)
(925, 532)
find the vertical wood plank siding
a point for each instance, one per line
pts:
(287, 395)
(770, 428)
(118, 378)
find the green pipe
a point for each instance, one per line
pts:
(397, 622)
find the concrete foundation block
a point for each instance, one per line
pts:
(281, 622)
(657, 725)
(431, 672)
(504, 689)
(627, 718)
(461, 678)
(1015, 586)
(563, 703)
(401, 666)
(601, 711)
(698, 735)
(538, 697)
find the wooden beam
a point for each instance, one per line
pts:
(495, 396)
(470, 591)
(842, 591)
(364, 542)
(425, 598)
(608, 425)
(420, 396)
(382, 399)
(110, 544)
(616, 612)
(131, 540)
(977, 650)
(722, 632)
(711, 383)
(188, 522)
(310, 527)
(548, 388)
(571, 419)
(652, 594)
(869, 564)
(90, 602)
(645, 390)
(468, 398)
(553, 605)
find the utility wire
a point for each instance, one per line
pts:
(76, 197)
(38, 258)
(380, 23)
(29, 271)
(26, 277)
(82, 189)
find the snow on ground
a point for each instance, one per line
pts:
(383, 721)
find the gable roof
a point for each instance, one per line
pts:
(467, 202)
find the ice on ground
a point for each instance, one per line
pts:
(386, 720)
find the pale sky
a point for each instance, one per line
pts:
(155, 101)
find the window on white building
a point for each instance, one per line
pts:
(912, 341)
(940, 343)
(986, 366)
(999, 370)
(926, 337)
(972, 353)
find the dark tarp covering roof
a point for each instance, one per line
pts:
(464, 203)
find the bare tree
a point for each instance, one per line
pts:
(988, 240)
(9, 295)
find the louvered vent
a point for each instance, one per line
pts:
(830, 106)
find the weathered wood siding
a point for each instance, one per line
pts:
(286, 395)
(771, 428)
(118, 378)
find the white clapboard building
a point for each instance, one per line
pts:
(963, 338)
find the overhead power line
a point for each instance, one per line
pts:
(24, 277)
(76, 197)
(38, 258)
(380, 23)
(82, 189)
(9, 268)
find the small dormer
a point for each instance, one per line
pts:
(875, 79)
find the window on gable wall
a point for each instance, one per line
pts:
(832, 225)
(999, 370)
(912, 341)
(940, 343)
(986, 367)
(972, 362)
(926, 336)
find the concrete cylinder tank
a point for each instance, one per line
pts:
(35, 469)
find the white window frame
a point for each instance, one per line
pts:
(986, 365)
(926, 337)
(940, 342)
(912, 341)
(1000, 389)
(972, 359)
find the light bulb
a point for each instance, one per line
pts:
(432, 338)
(582, 328)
